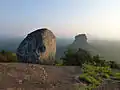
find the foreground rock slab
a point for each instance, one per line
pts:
(19, 76)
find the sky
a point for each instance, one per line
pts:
(65, 18)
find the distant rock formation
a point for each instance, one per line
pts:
(81, 42)
(38, 47)
(81, 37)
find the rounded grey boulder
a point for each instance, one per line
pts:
(38, 47)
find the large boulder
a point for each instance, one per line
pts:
(38, 47)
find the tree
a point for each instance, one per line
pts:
(3, 52)
(97, 61)
(76, 58)
(113, 64)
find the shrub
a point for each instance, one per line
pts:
(97, 61)
(94, 75)
(7, 56)
(116, 75)
(81, 56)
(76, 58)
(113, 64)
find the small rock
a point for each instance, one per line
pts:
(20, 81)
(27, 77)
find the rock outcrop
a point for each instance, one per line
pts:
(81, 42)
(38, 47)
(81, 37)
(19, 76)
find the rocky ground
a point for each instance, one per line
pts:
(14, 76)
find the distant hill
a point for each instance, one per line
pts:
(110, 50)
(61, 46)
(10, 44)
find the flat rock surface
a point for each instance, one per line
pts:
(19, 76)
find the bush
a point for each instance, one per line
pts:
(94, 75)
(88, 79)
(97, 61)
(7, 56)
(81, 56)
(113, 64)
(116, 75)
(58, 64)
(76, 58)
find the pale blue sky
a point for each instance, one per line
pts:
(65, 18)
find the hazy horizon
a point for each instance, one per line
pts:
(66, 18)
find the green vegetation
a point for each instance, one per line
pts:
(6, 56)
(117, 75)
(94, 75)
(95, 70)
(80, 57)
(58, 63)
(76, 58)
